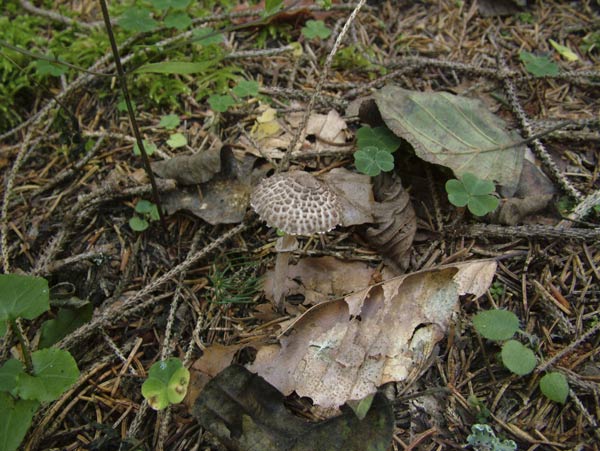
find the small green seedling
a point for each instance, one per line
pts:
(538, 66)
(220, 103)
(170, 121)
(375, 148)
(483, 438)
(167, 383)
(501, 326)
(177, 140)
(316, 29)
(42, 375)
(149, 147)
(147, 212)
(472, 192)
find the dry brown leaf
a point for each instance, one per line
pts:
(343, 350)
(320, 279)
(355, 194)
(191, 169)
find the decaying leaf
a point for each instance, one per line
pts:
(454, 131)
(344, 349)
(492, 8)
(247, 413)
(319, 279)
(395, 221)
(355, 194)
(190, 169)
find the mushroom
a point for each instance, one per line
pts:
(296, 203)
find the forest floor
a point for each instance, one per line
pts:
(195, 284)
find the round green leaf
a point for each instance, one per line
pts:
(167, 383)
(496, 325)
(178, 20)
(178, 384)
(518, 358)
(381, 137)
(555, 387)
(457, 194)
(149, 147)
(371, 161)
(476, 186)
(9, 373)
(143, 206)
(177, 140)
(22, 297)
(54, 371)
(246, 88)
(15, 419)
(66, 321)
(138, 224)
(316, 29)
(170, 121)
(137, 20)
(220, 103)
(482, 205)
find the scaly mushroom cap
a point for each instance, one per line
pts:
(297, 203)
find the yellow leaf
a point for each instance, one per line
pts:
(565, 52)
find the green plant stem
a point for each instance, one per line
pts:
(134, 124)
(25, 350)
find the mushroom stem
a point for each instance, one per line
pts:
(284, 247)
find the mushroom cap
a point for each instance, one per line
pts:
(297, 203)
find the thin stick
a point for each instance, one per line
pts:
(134, 124)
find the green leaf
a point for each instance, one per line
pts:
(454, 131)
(177, 140)
(316, 29)
(22, 297)
(473, 192)
(170, 121)
(220, 103)
(66, 321)
(138, 224)
(147, 209)
(272, 6)
(361, 407)
(518, 358)
(555, 387)
(149, 147)
(178, 20)
(564, 51)
(54, 371)
(176, 67)
(166, 384)
(201, 36)
(45, 67)
(175, 4)
(457, 194)
(496, 325)
(3, 328)
(9, 373)
(371, 161)
(15, 419)
(539, 66)
(137, 20)
(246, 88)
(482, 205)
(380, 137)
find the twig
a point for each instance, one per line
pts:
(324, 73)
(528, 231)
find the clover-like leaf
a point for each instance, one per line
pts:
(496, 325)
(169, 121)
(472, 192)
(246, 88)
(137, 20)
(138, 224)
(555, 387)
(179, 20)
(220, 103)
(15, 419)
(149, 147)
(23, 297)
(166, 384)
(381, 137)
(177, 140)
(518, 358)
(54, 371)
(316, 29)
(372, 161)
(539, 66)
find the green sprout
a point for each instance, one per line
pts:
(147, 212)
(472, 192)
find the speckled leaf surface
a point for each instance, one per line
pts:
(454, 131)
(344, 349)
